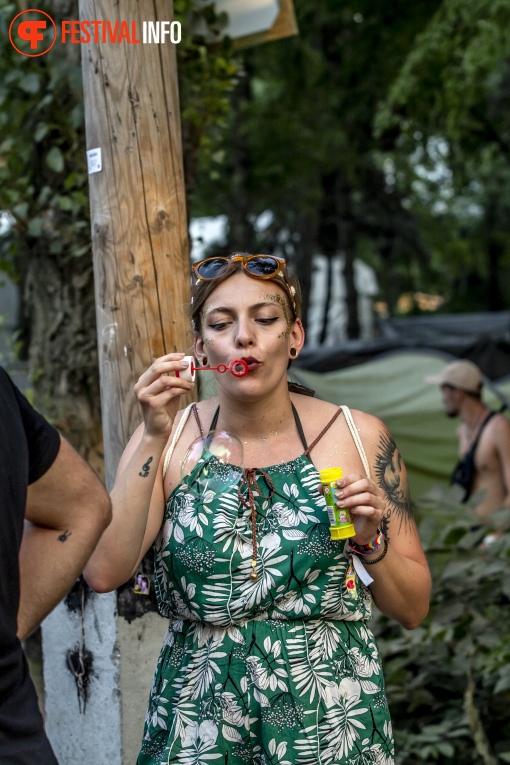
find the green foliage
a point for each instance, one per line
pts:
(43, 179)
(207, 77)
(453, 91)
(448, 681)
(306, 105)
(300, 144)
(453, 78)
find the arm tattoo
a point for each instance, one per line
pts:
(145, 468)
(388, 470)
(64, 536)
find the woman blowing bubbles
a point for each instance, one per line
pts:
(268, 657)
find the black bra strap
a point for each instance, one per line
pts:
(299, 427)
(213, 423)
(214, 419)
(217, 413)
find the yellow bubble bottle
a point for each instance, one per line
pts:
(340, 524)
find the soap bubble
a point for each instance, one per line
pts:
(213, 463)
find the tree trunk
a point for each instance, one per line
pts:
(58, 307)
(389, 287)
(304, 259)
(240, 233)
(59, 301)
(347, 243)
(494, 253)
(351, 297)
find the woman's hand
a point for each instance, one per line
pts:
(365, 502)
(158, 390)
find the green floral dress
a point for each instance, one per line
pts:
(278, 671)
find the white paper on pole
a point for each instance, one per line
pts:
(94, 161)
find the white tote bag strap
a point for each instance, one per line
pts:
(356, 438)
(177, 434)
(356, 562)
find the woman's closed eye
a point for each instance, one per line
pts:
(267, 319)
(219, 325)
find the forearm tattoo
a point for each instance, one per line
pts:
(64, 536)
(145, 468)
(388, 470)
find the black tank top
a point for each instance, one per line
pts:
(464, 472)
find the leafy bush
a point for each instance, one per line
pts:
(448, 681)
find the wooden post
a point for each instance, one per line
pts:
(139, 222)
(141, 269)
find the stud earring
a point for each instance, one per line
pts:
(293, 353)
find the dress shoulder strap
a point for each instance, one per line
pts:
(354, 433)
(176, 437)
(323, 431)
(356, 438)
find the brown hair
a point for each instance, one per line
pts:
(200, 291)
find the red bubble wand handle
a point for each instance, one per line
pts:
(237, 368)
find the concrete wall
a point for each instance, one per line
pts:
(107, 729)
(81, 732)
(140, 643)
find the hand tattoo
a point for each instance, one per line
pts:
(145, 468)
(64, 536)
(388, 469)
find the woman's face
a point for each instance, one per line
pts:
(246, 318)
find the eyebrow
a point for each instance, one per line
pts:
(226, 309)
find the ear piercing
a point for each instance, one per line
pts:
(293, 353)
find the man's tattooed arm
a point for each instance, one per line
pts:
(390, 477)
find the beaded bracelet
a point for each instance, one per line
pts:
(371, 547)
(381, 556)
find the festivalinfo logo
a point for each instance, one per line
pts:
(33, 32)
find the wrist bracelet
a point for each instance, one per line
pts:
(381, 556)
(371, 547)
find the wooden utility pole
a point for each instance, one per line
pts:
(138, 210)
(141, 272)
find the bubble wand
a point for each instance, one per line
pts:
(237, 368)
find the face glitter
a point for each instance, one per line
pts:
(207, 310)
(281, 301)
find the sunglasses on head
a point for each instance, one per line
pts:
(258, 266)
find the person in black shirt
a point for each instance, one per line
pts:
(53, 509)
(484, 438)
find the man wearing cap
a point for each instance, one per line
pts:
(484, 437)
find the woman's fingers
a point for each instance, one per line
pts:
(363, 498)
(159, 389)
(165, 382)
(165, 365)
(355, 488)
